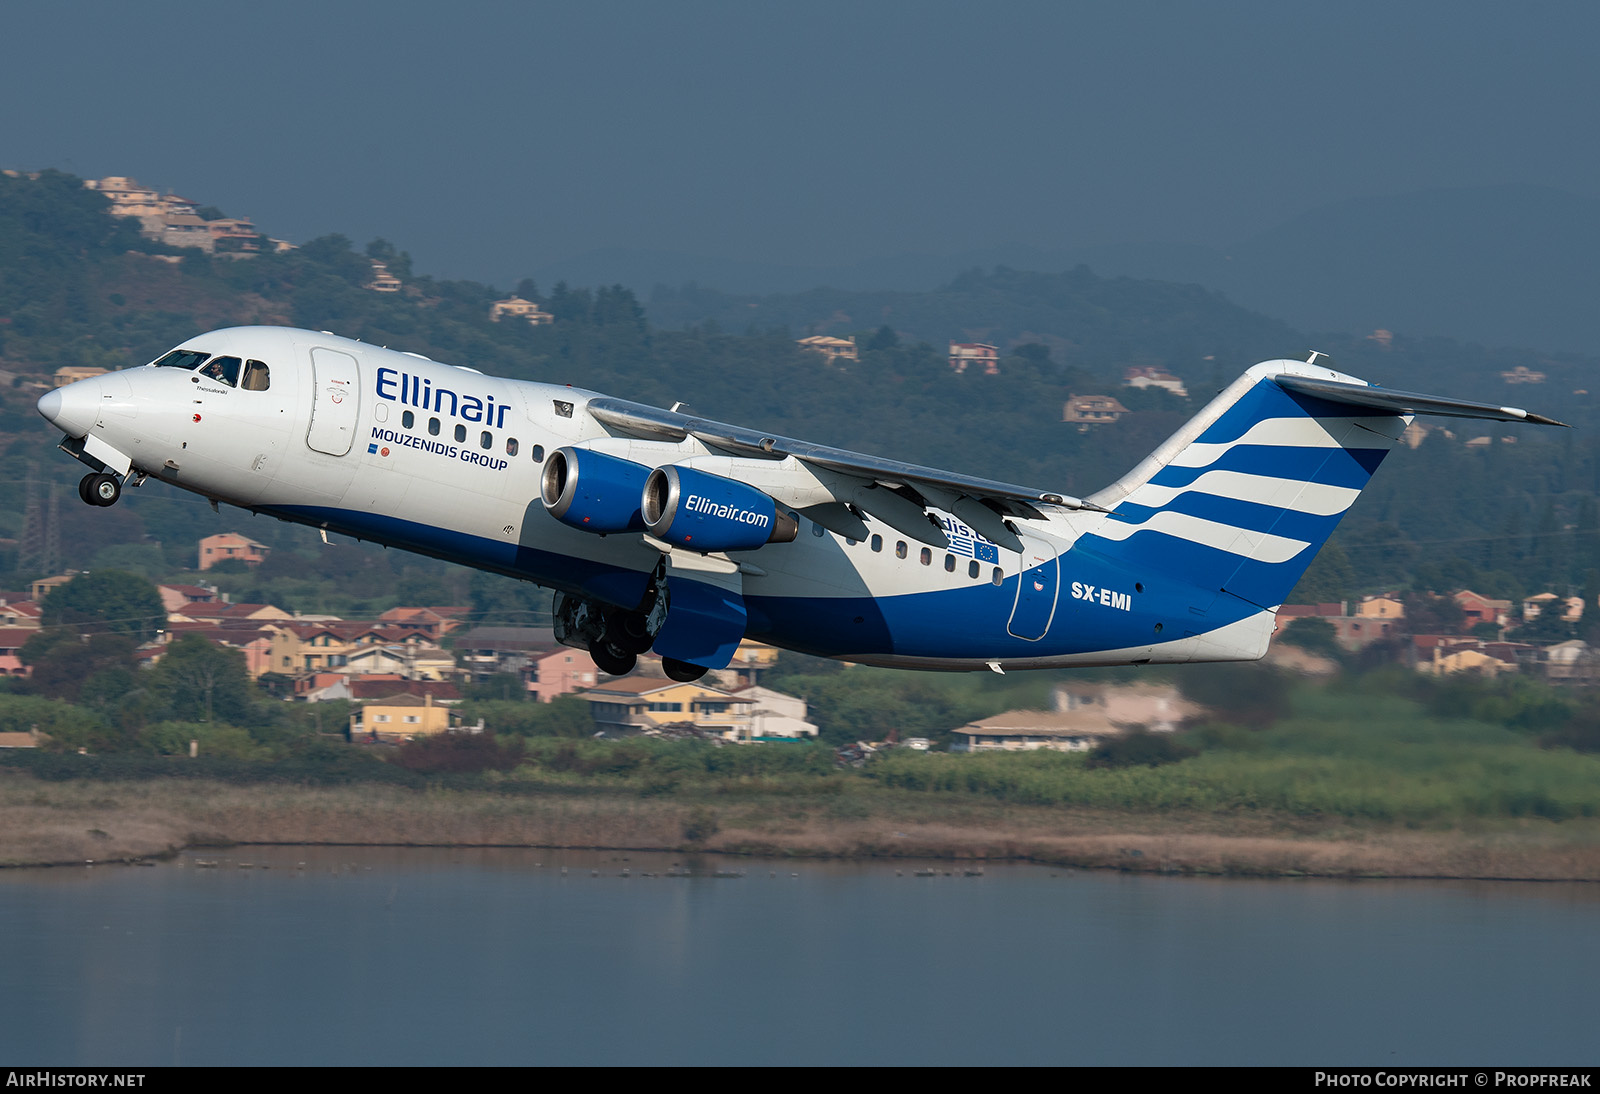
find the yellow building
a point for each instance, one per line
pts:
(834, 349)
(518, 308)
(636, 704)
(400, 717)
(71, 374)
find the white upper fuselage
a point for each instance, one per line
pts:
(443, 460)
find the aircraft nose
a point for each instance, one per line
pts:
(73, 408)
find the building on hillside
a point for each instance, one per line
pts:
(834, 349)
(234, 234)
(751, 661)
(19, 613)
(1448, 654)
(1573, 664)
(322, 687)
(1086, 410)
(401, 717)
(382, 279)
(46, 585)
(561, 671)
(1534, 606)
(433, 622)
(412, 659)
(979, 356)
(174, 598)
(633, 704)
(215, 549)
(1477, 609)
(1143, 376)
(1085, 714)
(299, 646)
(71, 374)
(773, 716)
(490, 651)
(254, 642)
(220, 612)
(1387, 606)
(11, 640)
(518, 308)
(1375, 620)
(1032, 730)
(1158, 708)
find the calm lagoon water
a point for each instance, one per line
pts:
(412, 956)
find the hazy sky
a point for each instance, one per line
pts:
(490, 139)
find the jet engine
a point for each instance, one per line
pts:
(593, 491)
(705, 512)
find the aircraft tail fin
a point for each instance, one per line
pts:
(1241, 498)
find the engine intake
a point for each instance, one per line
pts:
(705, 512)
(593, 491)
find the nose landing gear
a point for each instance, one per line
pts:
(99, 489)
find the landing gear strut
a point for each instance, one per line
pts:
(614, 637)
(99, 489)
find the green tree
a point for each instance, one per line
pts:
(106, 601)
(197, 677)
(67, 665)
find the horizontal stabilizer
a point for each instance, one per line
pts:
(1406, 402)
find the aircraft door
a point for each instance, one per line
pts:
(1037, 586)
(335, 402)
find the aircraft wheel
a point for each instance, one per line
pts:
(101, 489)
(83, 489)
(630, 633)
(613, 662)
(682, 671)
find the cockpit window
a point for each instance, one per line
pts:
(182, 358)
(224, 370)
(256, 377)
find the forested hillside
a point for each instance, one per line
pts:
(80, 287)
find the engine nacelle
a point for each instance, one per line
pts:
(705, 512)
(593, 491)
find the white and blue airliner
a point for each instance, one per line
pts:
(659, 530)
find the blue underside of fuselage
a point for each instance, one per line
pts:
(964, 623)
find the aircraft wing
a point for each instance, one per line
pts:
(1407, 402)
(895, 492)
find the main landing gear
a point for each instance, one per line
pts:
(99, 489)
(613, 636)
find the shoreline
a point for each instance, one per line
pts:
(60, 824)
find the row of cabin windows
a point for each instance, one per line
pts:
(408, 420)
(232, 371)
(902, 550)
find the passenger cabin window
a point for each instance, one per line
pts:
(407, 420)
(433, 427)
(972, 568)
(182, 358)
(256, 376)
(949, 564)
(926, 557)
(511, 446)
(538, 453)
(486, 440)
(877, 543)
(224, 370)
(900, 549)
(461, 434)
